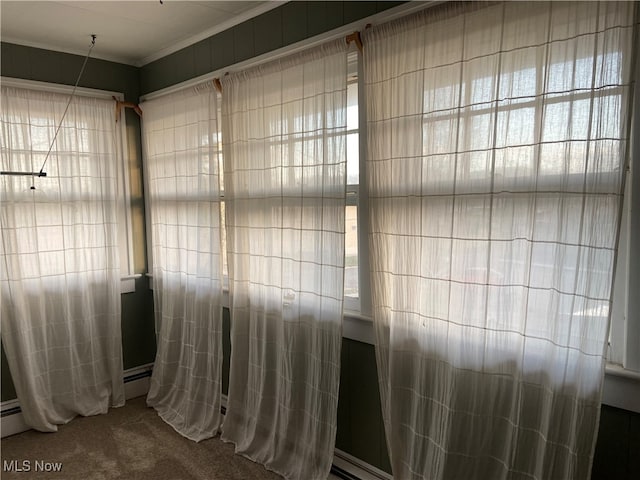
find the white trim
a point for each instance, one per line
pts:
(59, 88)
(620, 297)
(621, 389)
(140, 386)
(237, 20)
(351, 304)
(613, 370)
(9, 404)
(358, 327)
(128, 283)
(147, 367)
(381, 17)
(14, 423)
(357, 467)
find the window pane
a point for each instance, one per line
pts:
(351, 252)
(353, 159)
(352, 106)
(223, 240)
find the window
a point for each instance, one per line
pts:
(351, 274)
(182, 159)
(356, 280)
(86, 160)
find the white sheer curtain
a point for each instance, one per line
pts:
(285, 170)
(497, 141)
(60, 271)
(182, 166)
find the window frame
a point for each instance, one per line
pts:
(623, 352)
(352, 190)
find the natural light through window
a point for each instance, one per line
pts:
(351, 281)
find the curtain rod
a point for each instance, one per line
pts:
(24, 174)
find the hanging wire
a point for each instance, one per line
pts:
(73, 92)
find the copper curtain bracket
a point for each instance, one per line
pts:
(355, 37)
(120, 105)
(218, 85)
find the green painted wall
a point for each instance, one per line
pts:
(28, 63)
(360, 426)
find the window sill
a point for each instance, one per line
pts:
(128, 283)
(358, 327)
(621, 388)
(615, 370)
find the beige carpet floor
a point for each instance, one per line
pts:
(128, 443)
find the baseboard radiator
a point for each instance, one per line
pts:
(136, 384)
(344, 466)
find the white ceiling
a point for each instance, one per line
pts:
(132, 32)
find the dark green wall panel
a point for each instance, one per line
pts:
(30, 63)
(618, 447)
(267, 32)
(202, 57)
(221, 52)
(634, 446)
(179, 66)
(334, 16)
(353, 11)
(243, 41)
(8, 390)
(153, 72)
(294, 22)
(317, 16)
(138, 326)
(360, 426)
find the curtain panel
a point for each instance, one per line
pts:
(284, 127)
(497, 146)
(182, 161)
(60, 273)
